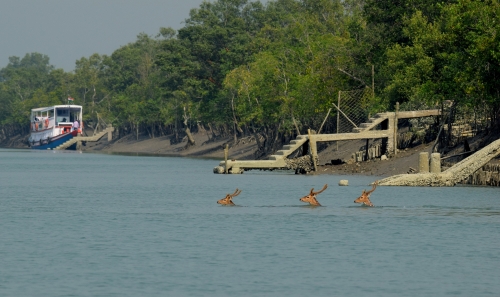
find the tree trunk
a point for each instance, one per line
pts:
(189, 136)
(235, 133)
(186, 129)
(212, 132)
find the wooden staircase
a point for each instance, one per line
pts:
(289, 148)
(372, 122)
(276, 161)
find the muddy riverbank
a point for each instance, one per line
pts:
(333, 158)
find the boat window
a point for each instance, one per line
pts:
(51, 113)
(62, 112)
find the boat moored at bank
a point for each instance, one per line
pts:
(54, 125)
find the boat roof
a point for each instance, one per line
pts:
(56, 106)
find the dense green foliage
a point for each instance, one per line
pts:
(241, 67)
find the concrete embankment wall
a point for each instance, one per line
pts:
(450, 177)
(488, 175)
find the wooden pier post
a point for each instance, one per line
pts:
(385, 141)
(313, 149)
(423, 162)
(226, 151)
(367, 157)
(396, 129)
(435, 166)
(110, 132)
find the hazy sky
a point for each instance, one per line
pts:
(67, 30)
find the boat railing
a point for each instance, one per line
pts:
(44, 123)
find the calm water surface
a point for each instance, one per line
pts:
(75, 224)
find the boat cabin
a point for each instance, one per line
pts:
(59, 116)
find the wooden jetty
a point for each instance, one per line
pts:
(387, 131)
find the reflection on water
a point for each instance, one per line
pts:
(104, 225)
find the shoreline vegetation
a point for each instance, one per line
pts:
(255, 75)
(332, 160)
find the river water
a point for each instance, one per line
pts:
(74, 224)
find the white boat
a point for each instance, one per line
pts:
(54, 125)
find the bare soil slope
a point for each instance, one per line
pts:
(404, 162)
(162, 146)
(246, 148)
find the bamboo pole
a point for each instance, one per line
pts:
(344, 115)
(461, 154)
(338, 121)
(373, 80)
(321, 127)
